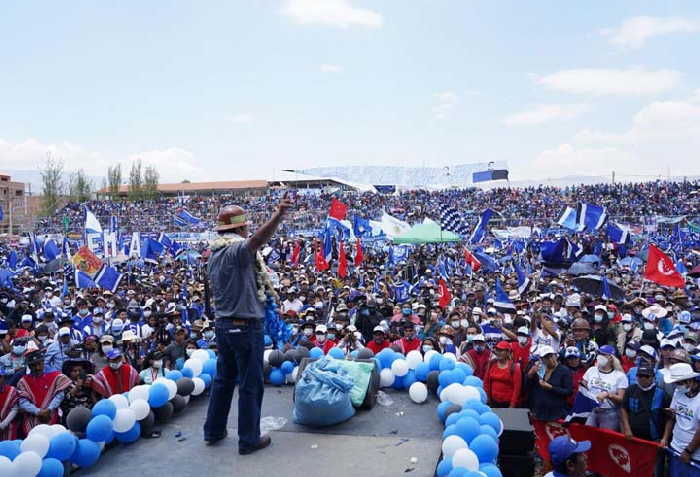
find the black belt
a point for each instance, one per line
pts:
(238, 321)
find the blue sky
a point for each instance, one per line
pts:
(238, 89)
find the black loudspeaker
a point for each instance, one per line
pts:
(516, 465)
(518, 438)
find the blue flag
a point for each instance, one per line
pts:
(569, 219)
(584, 404)
(591, 217)
(480, 230)
(523, 279)
(152, 250)
(488, 263)
(50, 250)
(401, 291)
(83, 280)
(361, 227)
(108, 278)
(617, 234)
(12, 260)
(501, 299)
(188, 218)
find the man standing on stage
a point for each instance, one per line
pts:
(240, 288)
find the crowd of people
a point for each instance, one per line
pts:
(638, 357)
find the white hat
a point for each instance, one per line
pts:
(129, 335)
(378, 328)
(321, 329)
(627, 318)
(65, 331)
(573, 300)
(117, 324)
(523, 330)
(478, 337)
(544, 350)
(653, 312)
(491, 310)
(27, 318)
(601, 308)
(680, 372)
(513, 294)
(476, 310)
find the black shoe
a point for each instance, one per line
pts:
(213, 440)
(265, 440)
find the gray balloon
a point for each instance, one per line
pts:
(147, 424)
(185, 386)
(276, 358)
(292, 356)
(78, 419)
(365, 353)
(302, 352)
(164, 412)
(432, 381)
(179, 403)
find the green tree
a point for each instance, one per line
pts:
(80, 186)
(151, 178)
(51, 185)
(114, 180)
(136, 181)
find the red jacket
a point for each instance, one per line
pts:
(503, 385)
(407, 345)
(521, 354)
(480, 360)
(327, 345)
(375, 347)
(576, 377)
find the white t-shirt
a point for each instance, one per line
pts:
(687, 419)
(600, 382)
(542, 338)
(295, 305)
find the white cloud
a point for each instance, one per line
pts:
(446, 102)
(600, 82)
(568, 159)
(328, 68)
(337, 13)
(545, 113)
(241, 118)
(173, 164)
(635, 31)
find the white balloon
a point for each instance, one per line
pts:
(170, 384)
(37, 443)
(201, 355)
(418, 392)
(413, 358)
(266, 355)
(399, 367)
(140, 408)
(451, 356)
(124, 420)
(57, 429)
(386, 378)
(139, 392)
(465, 458)
(27, 464)
(198, 386)
(43, 429)
(295, 374)
(428, 355)
(450, 393)
(120, 401)
(7, 467)
(464, 394)
(195, 365)
(451, 444)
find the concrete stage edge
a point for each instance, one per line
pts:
(376, 443)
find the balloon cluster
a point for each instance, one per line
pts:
(275, 327)
(281, 368)
(48, 450)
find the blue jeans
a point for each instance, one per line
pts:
(240, 361)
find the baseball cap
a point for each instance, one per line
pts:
(478, 337)
(572, 352)
(523, 331)
(64, 331)
(321, 329)
(504, 345)
(114, 354)
(378, 328)
(649, 350)
(563, 447)
(646, 369)
(27, 318)
(606, 349)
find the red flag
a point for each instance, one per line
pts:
(321, 263)
(342, 261)
(445, 295)
(359, 254)
(472, 260)
(660, 269)
(338, 210)
(545, 431)
(296, 251)
(615, 456)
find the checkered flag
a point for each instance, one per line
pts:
(452, 220)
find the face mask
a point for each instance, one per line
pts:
(331, 336)
(115, 366)
(508, 320)
(630, 353)
(189, 351)
(455, 324)
(320, 338)
(479, 348)
(427, 348)
(208, 334)
(522, 340)
(379, 340)
(318, 304)
(464, 323)
(688, 347)
(627, 326)
(147, 313)
(302, 299)
(338, 326)
(295, 330)
(49, 295)
(647, 388)
(83, 312)
(648, 325)
(19, 349)
(107, 348)
(598, 318)
(682, 388)
(308, 331)
(602, 361)
(443, 340)
(470, 338)
(43, 338)
(110, 305)
(611, 314)
(3, 300)
(97, 320)
(158, 364)
(193, 335)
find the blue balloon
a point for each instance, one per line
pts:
(442, 410)
(398, 382)
(449, 430)
(491, 419)
(458, 375)
(174, 375)
(287, 367)
(276, 377)
(444, 468)
(86, 453)
(468, 428)
(315, 352)
(63, 445)
(453, 418)
(422, 371)
(51, 467)
(484, 397)
(158, 395)
(444, 378)
(353, 354)
(439, 390)
(409, 379)
(458, 472)
(180, 363)
(446, 363)
(488, 430)
(386, 357)
(10, 449)
(470, 413)
(491, 470)
(99, 429)
(485, 447)
(132, 435)
(187, 373)
(207, 380)
(106, 407)
(434, 362)
(267, 340)
(212, 353)
(336, 353)
(209, 367)
(473, 381)
(468, 371)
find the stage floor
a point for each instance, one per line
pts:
(378, 443)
